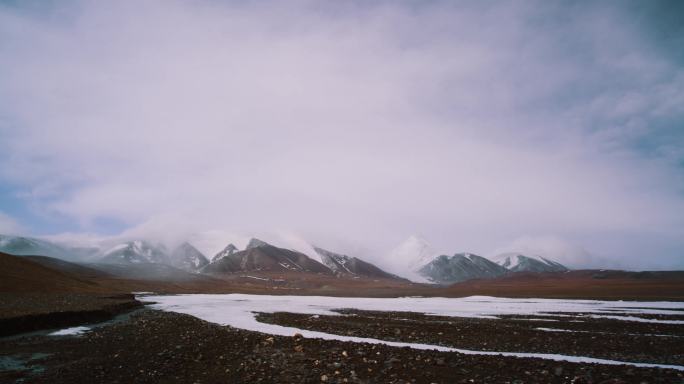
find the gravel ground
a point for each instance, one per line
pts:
(600, 338)
(162, 347)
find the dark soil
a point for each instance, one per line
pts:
(599, 338)
(161, 347)
(27, 312)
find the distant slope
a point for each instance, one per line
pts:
(460, 267)
(21, 246)
(516, 262)
(260, 256)
(79, 270)
(21, 274)
(579, 284)
(343, 264)
(148, 272)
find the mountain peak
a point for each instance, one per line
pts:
(460, 267)
(227, 251)
(135, 252)
(187, 257)
(256, 243)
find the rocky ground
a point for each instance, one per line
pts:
(153, 347)
(576, 336)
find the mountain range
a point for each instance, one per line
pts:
(421, 262)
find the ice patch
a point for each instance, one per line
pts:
(637, 319)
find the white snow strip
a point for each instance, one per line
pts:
(298, 266)
(637, 319)
(605, 333)
(70, 331)
(255, 277)
(238, 310)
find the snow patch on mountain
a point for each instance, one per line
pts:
(227, 251)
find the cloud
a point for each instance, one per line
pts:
(9, 225)
(471, 123)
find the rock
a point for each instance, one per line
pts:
(389, 362)
(324, 378)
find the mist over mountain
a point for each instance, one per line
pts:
(413, 259)
(187, 257)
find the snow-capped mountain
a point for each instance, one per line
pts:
(227, 251)
(23, 246)
(136, 252)
(261, 256)
(516, 262)
(188, 258)
(347, 265)
(460, 267)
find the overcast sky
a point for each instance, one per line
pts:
(481, 126)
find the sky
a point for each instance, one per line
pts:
(480, 126)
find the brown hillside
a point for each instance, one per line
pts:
(20, 274)
(582, 284)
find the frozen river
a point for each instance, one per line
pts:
(238, 310)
